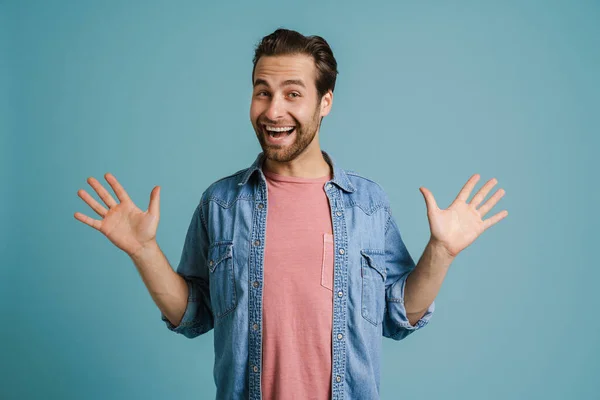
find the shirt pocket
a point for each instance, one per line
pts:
(222, 278)
(373, 275)
(327, 262)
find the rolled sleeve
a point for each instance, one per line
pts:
(190, 325)
(399, 265)
(198, 317)
(403, 326)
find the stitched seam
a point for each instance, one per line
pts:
(395, 300)
(389, 218)
(202, 218)
(224, 204)
(373, 209)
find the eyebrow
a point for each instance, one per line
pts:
(288, 82)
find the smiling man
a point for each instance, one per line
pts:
(287, 109)
(296, 263)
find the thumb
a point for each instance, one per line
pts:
(154, 207)
(429, 200)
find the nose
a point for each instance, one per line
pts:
(276, 109)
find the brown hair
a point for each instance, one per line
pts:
(289, 42)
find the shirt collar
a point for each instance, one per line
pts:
(339, 175)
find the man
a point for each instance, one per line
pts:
(296, 263)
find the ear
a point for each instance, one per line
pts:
(326, 102)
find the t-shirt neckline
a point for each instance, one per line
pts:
(294, 179)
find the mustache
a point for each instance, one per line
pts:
(273, 123)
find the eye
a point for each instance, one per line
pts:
(261, 93)
(294, 94)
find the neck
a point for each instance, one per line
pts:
(309, 164)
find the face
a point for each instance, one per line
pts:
(285, 110)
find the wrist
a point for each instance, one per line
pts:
(441, 250)
(147, 250)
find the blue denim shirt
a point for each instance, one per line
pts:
(222, 263)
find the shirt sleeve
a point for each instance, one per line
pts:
(399, 264)
(198, 316)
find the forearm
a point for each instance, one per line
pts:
(168, 289)
(424, 282)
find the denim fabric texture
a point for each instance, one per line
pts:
(222, 263)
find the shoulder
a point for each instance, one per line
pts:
(226, 190)
(369, 194)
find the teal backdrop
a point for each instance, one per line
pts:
(158, 93)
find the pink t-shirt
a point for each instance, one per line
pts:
(298, 290)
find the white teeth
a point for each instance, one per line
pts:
(278, 129)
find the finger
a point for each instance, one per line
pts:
(465, 192)
(478, 198)
(496, 218)
(97, 207)
(94, 223)
(154, 207)
(104, 195)
(119, 191)
(429, 199)
(488, 205)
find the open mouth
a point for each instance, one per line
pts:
(279, 132)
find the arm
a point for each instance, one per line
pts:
(182, 296)
(424, 282)
(189, 312)
(397, 322)
(168, 289)
(410, 289)
(452, 230)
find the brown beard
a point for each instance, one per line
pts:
(304, 137)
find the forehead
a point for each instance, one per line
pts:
(277, 69)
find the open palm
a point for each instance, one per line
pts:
(124, 224)
(459, 225)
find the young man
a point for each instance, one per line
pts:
(296, 263)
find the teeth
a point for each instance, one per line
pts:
(278, 129)
(272, 134)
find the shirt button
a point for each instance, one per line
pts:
(328, 186)
(340, 293)
(256, 369)
(341, 251)
(255, 284)
(337, 378)
(340, 336)
(260, 205)
(338, 213)
(255, 326)
(257, 242)
(211, 263)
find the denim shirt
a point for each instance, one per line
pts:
(222, 263)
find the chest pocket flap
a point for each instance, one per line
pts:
(222, 278)
(373, 274)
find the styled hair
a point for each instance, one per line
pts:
(289, 42)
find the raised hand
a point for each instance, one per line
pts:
(459, 225)
(124, 224)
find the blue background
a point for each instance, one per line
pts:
(428, 94)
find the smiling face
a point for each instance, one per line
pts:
(286, 110)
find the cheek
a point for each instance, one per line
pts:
(254, 112)
(304, 116)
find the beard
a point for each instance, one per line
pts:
(304, 135)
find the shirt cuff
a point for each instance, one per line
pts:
(405, 327)
(188, 316)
